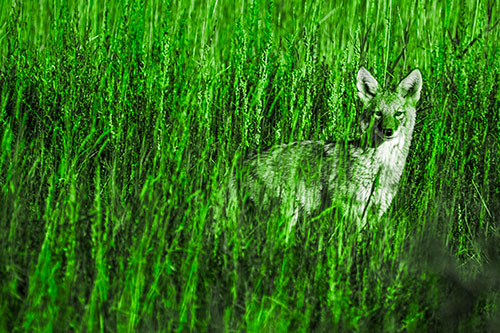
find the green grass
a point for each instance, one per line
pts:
(121, 121)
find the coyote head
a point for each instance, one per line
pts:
(388, 113)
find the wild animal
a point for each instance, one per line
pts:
(359, 177)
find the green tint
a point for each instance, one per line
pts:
(122, 122)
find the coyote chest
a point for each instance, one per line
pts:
(371, 181)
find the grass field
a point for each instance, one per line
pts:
(121, 122)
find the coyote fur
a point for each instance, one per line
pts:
(360, 177)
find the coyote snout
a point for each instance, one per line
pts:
(360, 177)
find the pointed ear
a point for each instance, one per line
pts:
(409, 88)
(367, 86)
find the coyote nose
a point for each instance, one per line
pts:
(388, 132)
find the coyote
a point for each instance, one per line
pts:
(360, 177)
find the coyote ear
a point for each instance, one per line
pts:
(367, 86)
(409, 88)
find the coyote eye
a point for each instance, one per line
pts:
(378, 114)
(398, 114)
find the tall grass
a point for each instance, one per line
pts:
(121, 122)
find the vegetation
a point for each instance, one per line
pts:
(122, 121)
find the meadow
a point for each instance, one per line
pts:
(122, 121)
